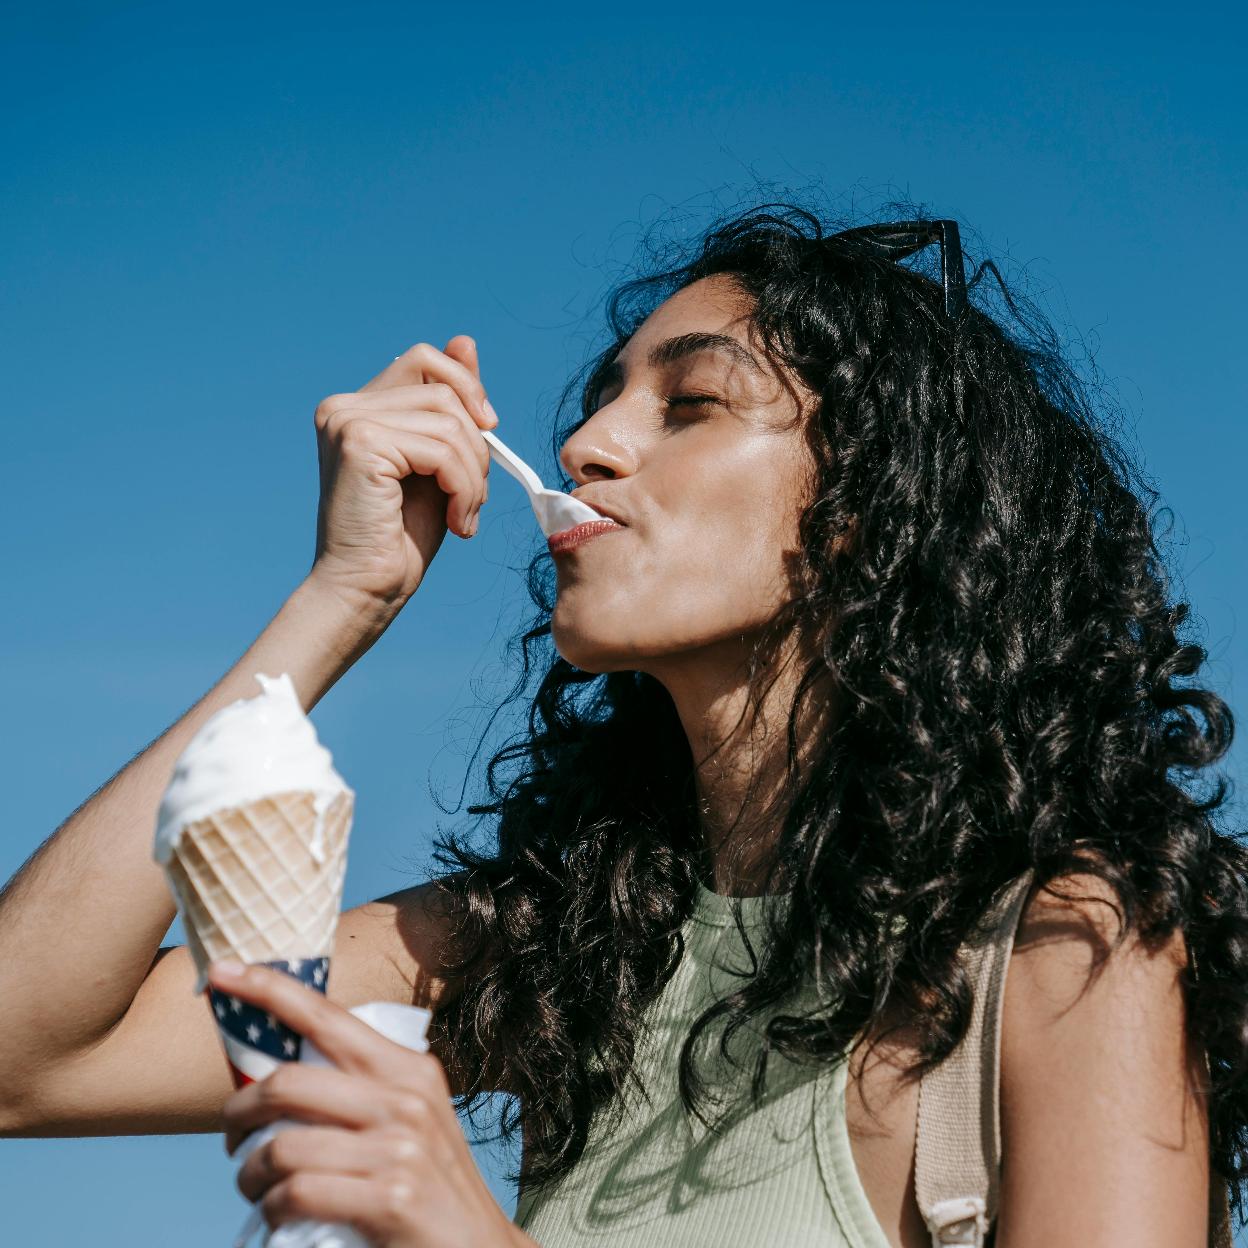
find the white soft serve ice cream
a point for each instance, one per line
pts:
(250, 749)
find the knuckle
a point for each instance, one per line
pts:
(300, 1190)
(438, 424)
(442, 392)
(418, 352)
(338, 420)
(303, 1187)
(411, 1107)
(396, 1195)
(355, 435)
(328, 406)
(275, 1090)
(287, 1199)
(276, 1203)
(279, 1155)
(402, 1148)
(244, 1180)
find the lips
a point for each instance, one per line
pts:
(580, 534)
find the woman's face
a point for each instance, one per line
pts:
(709, 490)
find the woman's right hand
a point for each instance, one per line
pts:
(402, 460)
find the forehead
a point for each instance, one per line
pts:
(709, 319)
(714, 304)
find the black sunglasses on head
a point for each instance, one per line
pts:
(895, 240)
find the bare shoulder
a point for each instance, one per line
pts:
(1104, 1126)
(394, 949)
(1067, 949)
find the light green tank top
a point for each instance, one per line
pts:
(782, 1174)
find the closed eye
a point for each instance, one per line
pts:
(692, 400)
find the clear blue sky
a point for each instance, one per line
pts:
(213, 219)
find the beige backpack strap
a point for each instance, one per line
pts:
(958, 1145)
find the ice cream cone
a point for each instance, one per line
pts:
(262, 881)
(252, 833)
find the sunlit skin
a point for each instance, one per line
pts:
(705, 457)
(1106, 1139)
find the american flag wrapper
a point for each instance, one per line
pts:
(255, 1042)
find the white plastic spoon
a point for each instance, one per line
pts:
(555, 510)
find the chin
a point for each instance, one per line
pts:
(589, 654)
(589, 642)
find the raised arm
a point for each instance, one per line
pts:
(100, 1031)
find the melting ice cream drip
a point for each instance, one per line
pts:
(253, 748)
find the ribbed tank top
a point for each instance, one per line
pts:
(781, 1174)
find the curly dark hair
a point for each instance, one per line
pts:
(982, 579)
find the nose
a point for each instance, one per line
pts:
(598, 450)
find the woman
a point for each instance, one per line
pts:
(882, 628)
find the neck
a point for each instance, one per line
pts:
(739, 745)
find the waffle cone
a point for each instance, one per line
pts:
(247, 883)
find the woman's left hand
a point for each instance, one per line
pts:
(383, 1150)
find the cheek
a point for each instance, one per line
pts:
(743, 567)
(736, 550)
(701, 579)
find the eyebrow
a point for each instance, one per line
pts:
(672, 349)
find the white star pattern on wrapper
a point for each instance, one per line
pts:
(258, 1040)
(318, 976)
